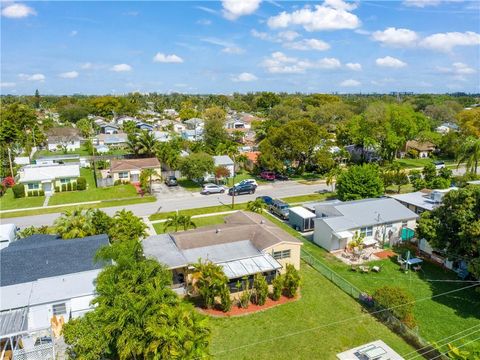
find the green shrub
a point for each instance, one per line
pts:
(74, 186)
(225, 300)
(41, 193)
(81, 183)
(277, 284)
(57, 189)
(244, 299)
(291, 281)
(69, 186)
(399, 301)
(35, 192)
(64, 187)
(18, 191)
(260, 289)
(117, 182)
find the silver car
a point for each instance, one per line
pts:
(212, 189)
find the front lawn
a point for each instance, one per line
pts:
(324, 322)
(199, 222)
(8, 202)
(92, 193)
(419, 163)
(198, 211)
(309, 197)
(190, 185)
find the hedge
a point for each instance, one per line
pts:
(18, 191)
(81, 183)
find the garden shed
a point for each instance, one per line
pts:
(301, 219)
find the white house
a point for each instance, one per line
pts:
(192, 135)
(225, 161)
(48, 276)
(424, 200)
(162, 136)
(379, 220)
(49, 178)
(59, 139)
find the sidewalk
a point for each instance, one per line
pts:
(50, 206)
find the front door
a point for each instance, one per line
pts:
(47, 188)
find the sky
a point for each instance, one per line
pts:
(221, 47)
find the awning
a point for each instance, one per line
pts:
(134, 172)
(249, 266)
(343, 234)
(13, 322)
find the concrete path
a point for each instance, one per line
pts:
(45, 202)
(150, 228)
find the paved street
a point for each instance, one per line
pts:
(179, 200)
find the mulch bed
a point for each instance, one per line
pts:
(252, 308)
(385, 254)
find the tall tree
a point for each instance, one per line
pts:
(196, 166)
(74, 224)
(469, 153)
(126, 226)
(142, 144)
(214, 128)
(360, 182)
(37, 99)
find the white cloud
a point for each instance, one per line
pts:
(389, 61)
(235, 50)
(17, 11)
(204, 22)
(7, 84)
(172, 58)
(233, 9)
(457, 69)
(244, 77)
(121, 68)
(308, 44)
(421, 3)
(288, 35)
(86, 66)
(447, 41)
(396, 37)
(350, 83)
(32, 77)
(331, 15)
(354, 66)
(262, 35)
(73, 33)
(69, 75)
(279, 63)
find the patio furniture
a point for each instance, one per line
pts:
(364, 269)
(376, 268)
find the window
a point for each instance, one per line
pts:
(64, 181)
(33, 186)
(404, 224)
(367, 231)
(283, 254)
(59, 309)
(123, 175)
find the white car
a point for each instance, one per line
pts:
(439, 165)
(248, 181)
(212, 189)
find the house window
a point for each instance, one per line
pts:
(33, 186)
(283, 254)
(404, 224)
(123, 175)
(59, 309)
(64, 181)
(366, 231)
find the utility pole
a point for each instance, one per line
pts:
(233, 184)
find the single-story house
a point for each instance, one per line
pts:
(424, 149)
(48, 178)
(194, 123)
(378, 220)
(130, 169)
(225, 161)
(170, 112)
(192, 135)
(144, 126)
(124, 118)
(445, 128)
(162, 136)
(423, 200)
(245, 245)
(109, 128)
(61, 138)
(236, 124)
(111, 139)
(46, 276)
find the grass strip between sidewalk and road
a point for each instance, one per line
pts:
(101, 204)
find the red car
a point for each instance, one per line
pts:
(267, 175)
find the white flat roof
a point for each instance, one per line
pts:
(302, 212)
(31, 173)
(376, 350)
(7, 231)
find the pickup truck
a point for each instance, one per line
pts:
(279, 208)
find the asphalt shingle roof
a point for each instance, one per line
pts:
(41, 256)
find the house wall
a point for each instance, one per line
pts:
(116, 177)
(294, 258)
(322, 235)
(71, 146)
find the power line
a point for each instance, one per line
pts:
(458, 347)
(339, 321)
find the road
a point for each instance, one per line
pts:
(184, 200)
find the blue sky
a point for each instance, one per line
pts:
(240, 46)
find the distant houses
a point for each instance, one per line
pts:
(63, 139)
(421, 149)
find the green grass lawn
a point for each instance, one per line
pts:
(309, 197)
(92, 193)
(189, 185)
(82, 152)
(8, 202)
(199, 211)
(415, 163)
(326, 320)
(199, 222)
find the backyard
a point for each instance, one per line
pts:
(92, 193)
(324, 322)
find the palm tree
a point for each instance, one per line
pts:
(174, 221)
(469, 153)
(149, 173)
(256, 206)
(332, 177)
(208, 280)
(74, 224)
(186, 222)
(142, 144)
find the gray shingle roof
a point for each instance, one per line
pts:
(40, 256)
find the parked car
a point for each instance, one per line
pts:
(248, 181)
(212, 189)
(281, 177)
(439, 164)
(279, 208)
(242, 189)
(267, 175)
(266, 199)
(171, 181)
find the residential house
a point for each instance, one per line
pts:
(245, 245)
(63, 138)
(192, 135)
(8, 234)
(117, 139)
(162, 136)
(194, 123)
(144, 126)
(225, 161)
(447, 127)
(423, 200)
(130, 169)
(170, 112)
(236, 124)
(378, 220)
(108, 128)
(423, 149)
(124, 118)
(45, 276)
(48, 178)
(179, 127)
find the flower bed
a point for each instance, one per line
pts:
(252, 308)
